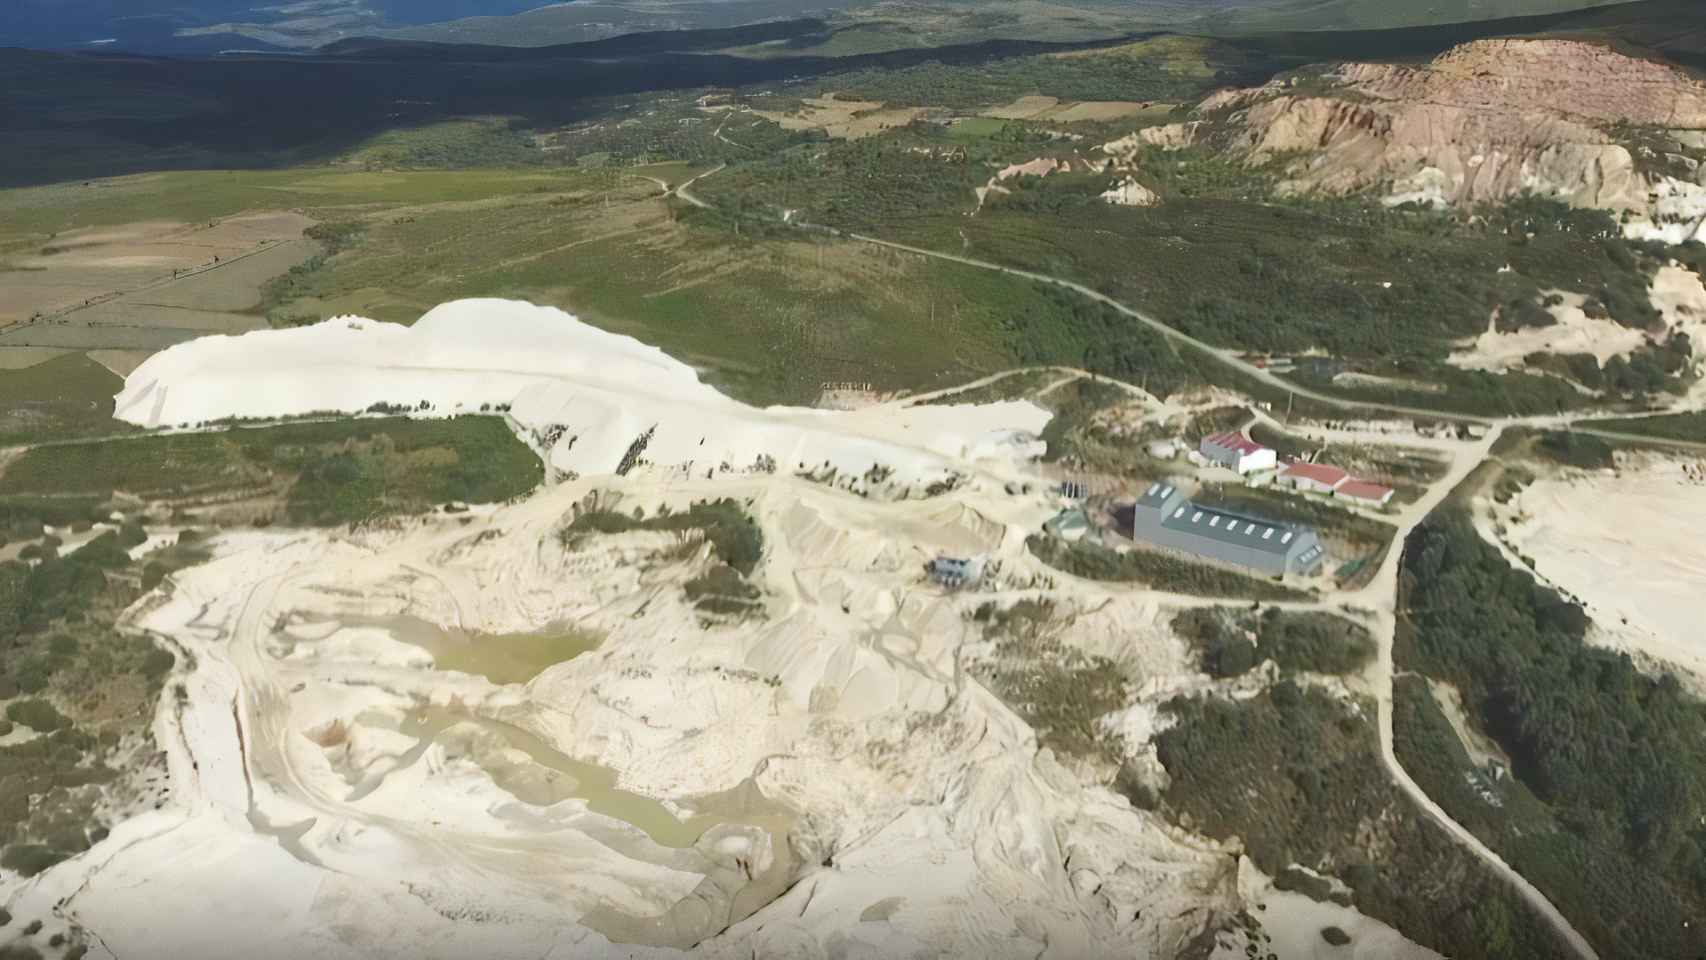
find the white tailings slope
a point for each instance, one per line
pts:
(586, 396)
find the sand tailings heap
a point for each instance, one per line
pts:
(591, 402)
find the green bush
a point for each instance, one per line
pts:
(1576, 450)
(157, 662)
(733, 534)
(1314, 641)
(1608, 759)
(1224, 649)
(1311, 790)
(38, 715)
(29, 859)
(1159, 571)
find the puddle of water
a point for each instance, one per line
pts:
(553, 776)
(499, 657)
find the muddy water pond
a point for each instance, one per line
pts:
(546, 775)
(499, 657)
(551, 777)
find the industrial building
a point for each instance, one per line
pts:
(954, 572)
(1321, 478)
(1312, 477)
(1363, 493)
(1235, 451)
(1164, 517)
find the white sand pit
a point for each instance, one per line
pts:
(825, 767)
(824, 781)
(820, 779)
(1632, 546)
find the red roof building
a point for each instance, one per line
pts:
(1237, 452)
(1318, 477)
(1233, 440)
(1363, 492)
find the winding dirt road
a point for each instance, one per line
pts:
(1380, 596)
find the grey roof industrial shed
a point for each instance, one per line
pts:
(1165, 517)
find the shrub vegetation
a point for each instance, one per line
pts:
(1611, 756)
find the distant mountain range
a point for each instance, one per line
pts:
(211, 26)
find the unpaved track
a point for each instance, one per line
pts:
(1381, 594)
(681, 191)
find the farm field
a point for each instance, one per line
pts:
(768, 315)
(843, 118)
(1052, 109)
(88, 267)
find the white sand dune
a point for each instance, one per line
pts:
(587, 394)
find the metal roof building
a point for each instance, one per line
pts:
(1237, 452)
(954, 571)
(1163, 516)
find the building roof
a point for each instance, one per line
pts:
(1158, 495)
(1226, 526)
(1233, 440)
(1319, 472)
(1362, 490)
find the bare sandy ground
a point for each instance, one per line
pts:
(946, 827)
(1679, 295)
(1631, 546)
(1574, 332)
(1294, 922)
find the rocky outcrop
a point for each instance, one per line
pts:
(1130, 193)
(1574, 79)
(1485, 121)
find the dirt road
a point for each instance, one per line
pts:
(1381, 596)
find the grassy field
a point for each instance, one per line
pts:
(768, 318)
(322, 473)
(1387, 292)
(32, 213)
(68, 396)
(1170, 69)
(1678, 426)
